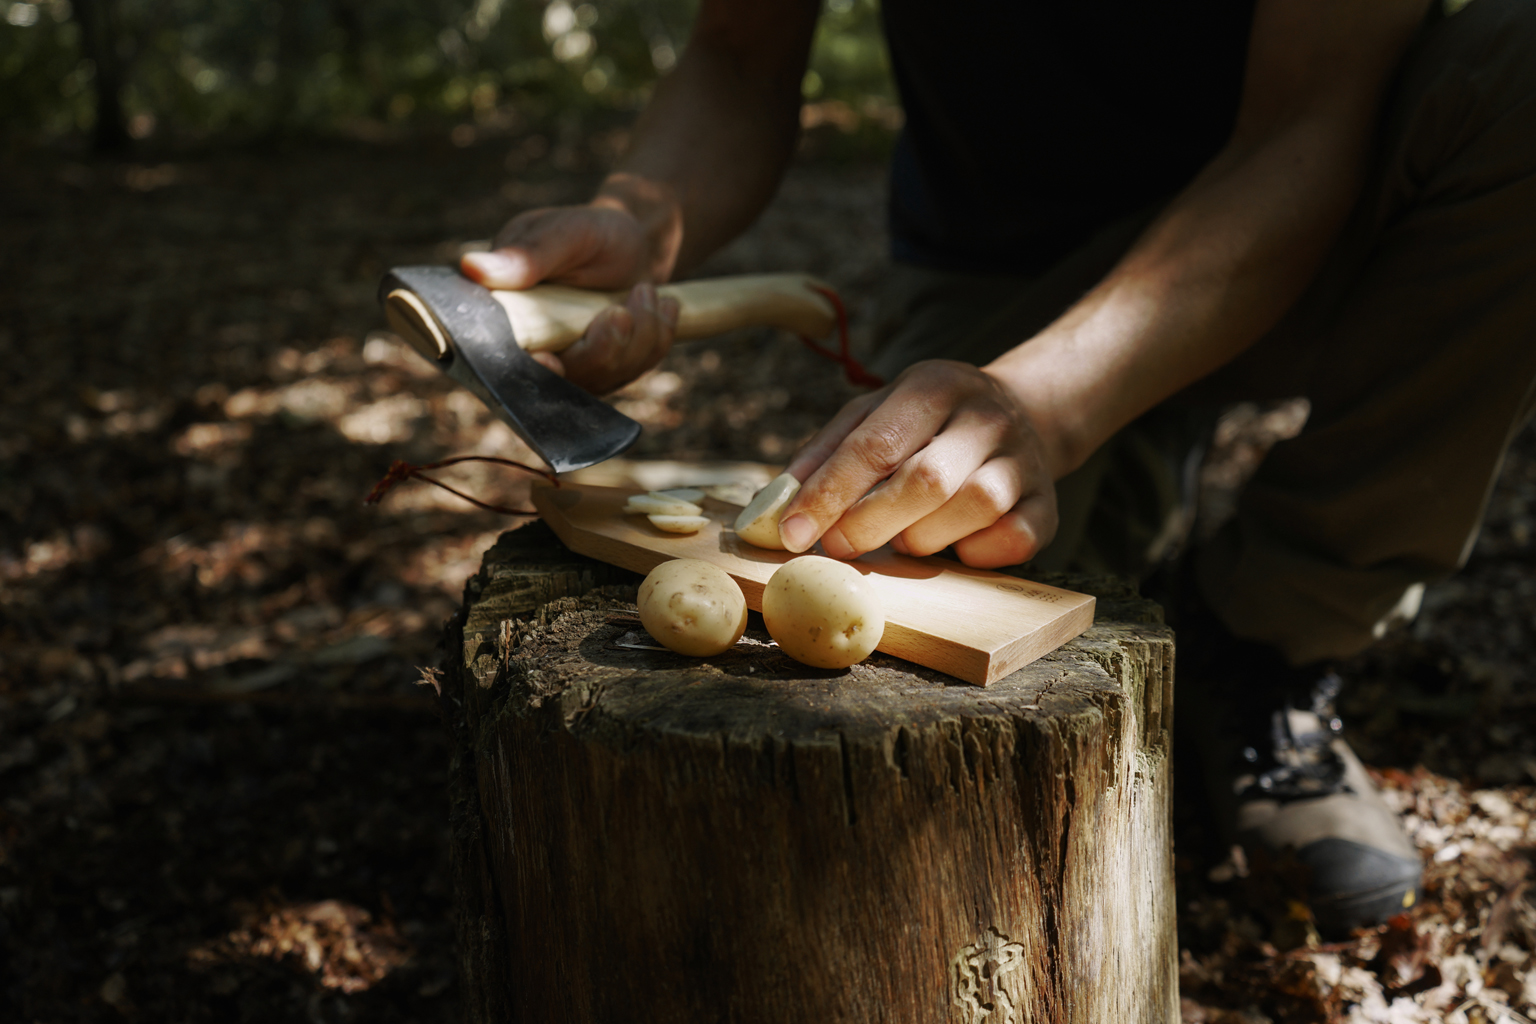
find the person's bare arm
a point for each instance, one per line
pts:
(714, 142)
(971, 454)
(707, 156)
(1230, 254)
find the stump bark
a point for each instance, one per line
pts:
(640, 836)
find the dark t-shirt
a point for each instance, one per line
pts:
(1031, 124)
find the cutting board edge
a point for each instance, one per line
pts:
(1069, 625)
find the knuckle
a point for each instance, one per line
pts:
(929, 477)
(880, 448)
(990, 495)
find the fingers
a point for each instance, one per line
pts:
(952, 486)
(986, 525)
(623, 341)
(826, 440)
(981, 499)
(870, 441)
(998, 517)
(1016, 537)
(943, 456)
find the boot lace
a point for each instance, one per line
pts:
(1301, 765)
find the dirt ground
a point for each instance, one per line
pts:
(221, 786)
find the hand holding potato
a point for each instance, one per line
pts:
(960, 463)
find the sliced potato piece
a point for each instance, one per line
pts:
(758, 523)
(656, 505)
(679, 524)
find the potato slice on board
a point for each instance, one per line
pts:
(657, 505)
(679, 524)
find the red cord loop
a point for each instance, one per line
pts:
(852, 368)
(400, 471)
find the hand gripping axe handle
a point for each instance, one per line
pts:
(481, 339)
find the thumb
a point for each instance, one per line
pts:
(502, 268)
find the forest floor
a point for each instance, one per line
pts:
(221, 786)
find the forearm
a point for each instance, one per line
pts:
(1211, 275)
(1238, 246)
(713, 143)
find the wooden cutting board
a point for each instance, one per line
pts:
(971, 623)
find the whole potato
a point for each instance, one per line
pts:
(823, 612)
(692, 607)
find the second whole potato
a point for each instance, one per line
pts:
(823, 612)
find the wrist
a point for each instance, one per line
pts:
(657, 209)
(1045, 401)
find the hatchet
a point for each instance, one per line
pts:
(481, 339)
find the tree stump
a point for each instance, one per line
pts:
(640, 836)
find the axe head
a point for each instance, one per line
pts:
(455, 324)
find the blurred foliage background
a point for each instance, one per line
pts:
(121, 74)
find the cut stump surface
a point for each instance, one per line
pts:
(641, 836)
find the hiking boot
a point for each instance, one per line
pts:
(1288, 786)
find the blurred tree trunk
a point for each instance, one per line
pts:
(347, 15)
(98, 28)
(292, 58)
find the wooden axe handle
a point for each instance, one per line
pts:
(550, 317)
